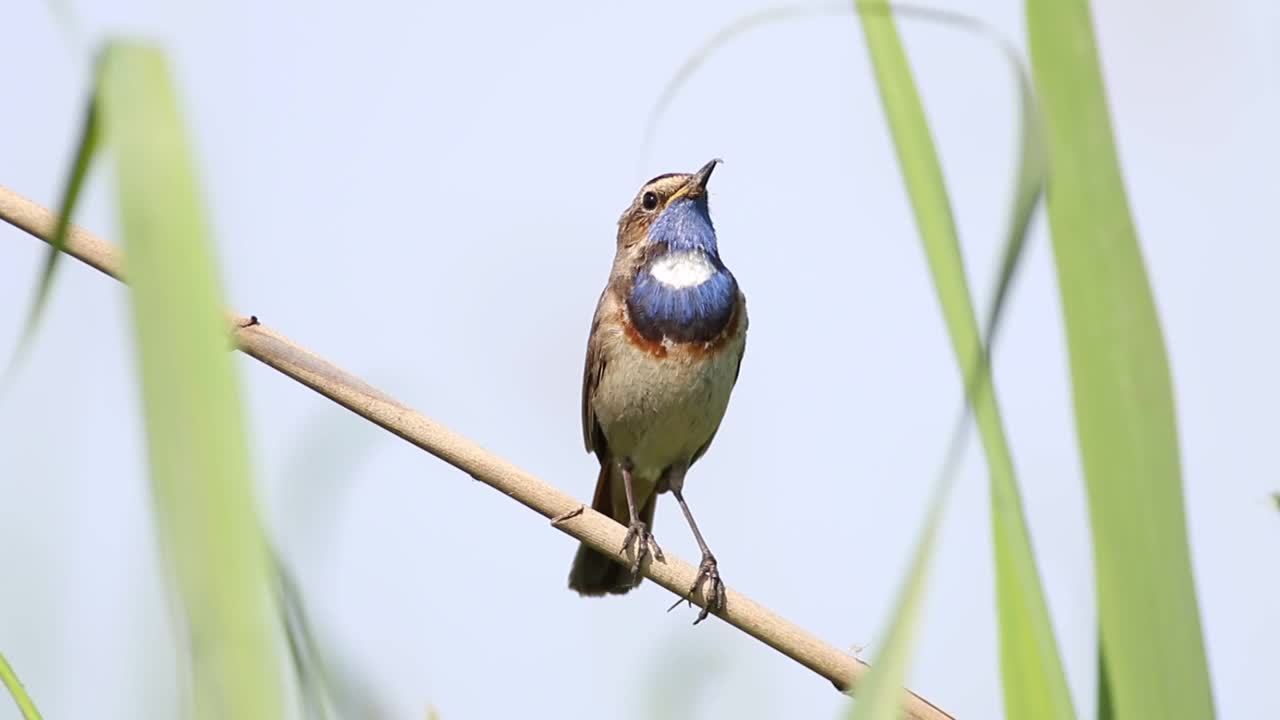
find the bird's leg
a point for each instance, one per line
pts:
(708, 573)
(637, 532)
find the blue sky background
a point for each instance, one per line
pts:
(426, 194)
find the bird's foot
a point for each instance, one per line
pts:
(639, 536)
(708, 575)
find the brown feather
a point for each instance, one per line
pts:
(592, 436)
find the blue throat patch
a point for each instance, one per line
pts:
(691, 314)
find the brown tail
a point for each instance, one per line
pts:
(597, 574)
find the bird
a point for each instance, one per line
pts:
(663, 356)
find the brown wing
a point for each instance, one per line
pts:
(592, 435)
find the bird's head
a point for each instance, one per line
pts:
(676, 285)
(669, 214)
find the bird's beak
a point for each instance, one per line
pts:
(700, 178)
(696, 185)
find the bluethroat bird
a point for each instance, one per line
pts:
(663, 355)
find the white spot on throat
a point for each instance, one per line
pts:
(682, 269)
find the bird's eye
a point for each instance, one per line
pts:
(649, 201)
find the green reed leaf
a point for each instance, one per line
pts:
(86, 147)
(1034, 681)
(16, 691)
(1149, 621)
(199, 462)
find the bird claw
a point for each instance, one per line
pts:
(638, 534)
(708, 574)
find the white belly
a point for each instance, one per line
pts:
(661, 411)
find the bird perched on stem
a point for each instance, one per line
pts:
(663, 355)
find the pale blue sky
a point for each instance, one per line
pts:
(426, 194)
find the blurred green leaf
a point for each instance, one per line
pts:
(1125, 423)
(308, 661)
(69, 23)
(326, 454)
(1034, 681)
(191, 399)
(330, 686)
(880, 692)
(324, 460)
(86, 147)
(1105, 710)
(19, 693)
